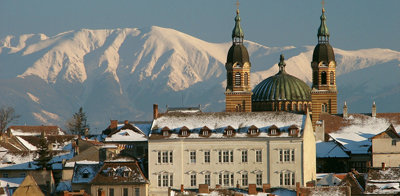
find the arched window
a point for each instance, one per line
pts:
(289, 107)
(324, 108)
(238, 78)
(323, 78)
(331, 78)
(295, 107)
(315, 78)
(300, 107)
(246, 78)
(238, 108)
(282, 106)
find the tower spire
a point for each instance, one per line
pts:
(237, 33)
(282, 64)
(323, 32)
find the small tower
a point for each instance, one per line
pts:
(373, 114)
(238, 91)
(324, 92)
(345, 114)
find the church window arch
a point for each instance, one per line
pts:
(300, 106)
(294, 106)
(331, 78)
(246, 79)
(323, 78)
(238, 79)
(282, 106)
(289, 107)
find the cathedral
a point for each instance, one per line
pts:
(282, 92)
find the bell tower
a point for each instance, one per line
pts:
(324, 92)
(238, 91)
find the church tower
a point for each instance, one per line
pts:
(324, 92)
(238, 91)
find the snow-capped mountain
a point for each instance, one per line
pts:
(120, 73)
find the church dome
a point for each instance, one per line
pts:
(323, 52)
(238, 53)
(281, 87)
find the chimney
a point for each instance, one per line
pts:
(126, 122)
(310, 184)
(203, 188)
(113, 124)
(383, 166)
(252, 189)
(155, 111)
(182, 187)
(266, 188)
(373, 110)
(345, 115)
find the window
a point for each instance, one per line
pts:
(5, 175)
(220, 179)
(237, 79)
(111, 192)
(258, 156)
(193, 180)
(323, 78)
(137, 192)
(324, 107)
(295, 107)
(165, 180)
(238, 108)
(293, 132)
(159, 180)
(331, 78)
(244, 156)
(286, 155)
(315, 78)
(206, 156)
(232, 179)
(292, 155)
(184, 133)
(289, 107)
(393, 142)
(165, 156)
(229, 79)
(205, 133)
(165, 133)
(282, 106)
(85, 174)
(207, 179)
(245, 179)
(246, 78)
(192, 156)
(226, 179)
(287, 178)
(171, 180)
(125, 191)
(300, 106)
(253, 131)
(228, 132)
(273, 131)
(226, 156)
(22, 175)
(259, 179)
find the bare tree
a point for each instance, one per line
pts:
(7, 115)
(78, 123)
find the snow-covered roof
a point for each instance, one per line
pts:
(218, 122)
(84, 173)
(383, 181)
(120, 172)
(355, 131)
(329, 180)
(28, 145)
(35, 130)
(330, 149)
(126, 135)
(11, 182)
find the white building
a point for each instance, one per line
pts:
(230, 149)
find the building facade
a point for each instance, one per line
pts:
(385, 149)
(230, 149)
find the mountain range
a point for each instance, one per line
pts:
(120, 73)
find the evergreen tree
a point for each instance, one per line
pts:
(45, 155)
(78, 124)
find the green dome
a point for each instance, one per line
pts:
(281, 87)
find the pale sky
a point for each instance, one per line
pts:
(353, 24)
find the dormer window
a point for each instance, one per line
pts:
(229, 131)
(274, 130)
(205, 131)
(253, 130)
(184, 131)
(165, 131)
(85, 174)
(293, 130)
